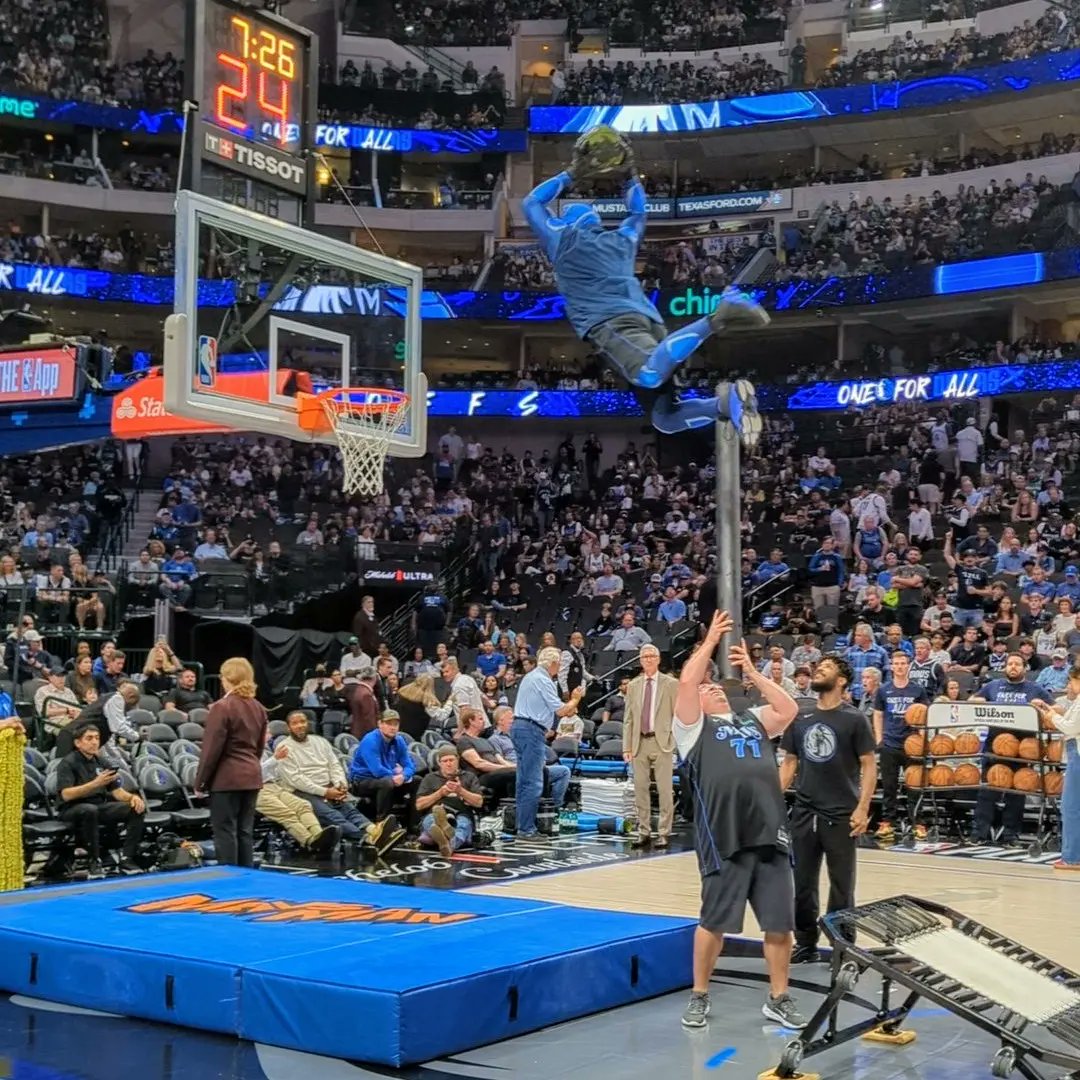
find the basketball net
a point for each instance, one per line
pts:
(363, 429)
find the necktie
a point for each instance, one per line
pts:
(646, 709)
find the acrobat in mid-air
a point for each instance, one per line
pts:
(606, 305)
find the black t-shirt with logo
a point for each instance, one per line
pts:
(929, 675)
(970, 577)
(828, 744)
(894, 702)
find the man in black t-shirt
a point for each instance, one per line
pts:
(740, 822)
(91, 797)
(972, 585)
(829, 753)
(448, 799)
(478, 756)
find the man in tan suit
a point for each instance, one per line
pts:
(649, 744)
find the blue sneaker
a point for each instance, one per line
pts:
(737, 309)
(742, 411)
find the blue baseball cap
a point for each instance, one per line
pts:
(1071, 571)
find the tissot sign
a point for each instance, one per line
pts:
(256, 160)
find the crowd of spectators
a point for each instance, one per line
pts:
(867, 237)
(54, 510)
(909, 56)
(599, 551)
(598, 83)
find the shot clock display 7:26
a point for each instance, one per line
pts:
(254, 77)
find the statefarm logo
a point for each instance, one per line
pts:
(256, 910)
(126, 409)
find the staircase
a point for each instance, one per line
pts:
(122, 549)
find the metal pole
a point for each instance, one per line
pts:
(728, 534)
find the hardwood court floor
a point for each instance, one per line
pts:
(1032, 904)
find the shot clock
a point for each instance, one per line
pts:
(254, 75)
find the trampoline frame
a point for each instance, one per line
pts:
(1018, 1053)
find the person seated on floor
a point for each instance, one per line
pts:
(381, 765)
(449, 800)
(494, 772)
(311, 769)
(570, 727)
(184, 696)
(556, 777)
(281, 806)
(91, 797)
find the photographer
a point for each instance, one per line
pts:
(448, 799)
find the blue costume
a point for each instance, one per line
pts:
(607, 307)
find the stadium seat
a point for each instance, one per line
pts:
(160, 733)
(346, 743)
(159, 781)
(191, 731)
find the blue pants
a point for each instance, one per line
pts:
(1070, 805)
(528, 740)
(558, 778)
(645, 355)
(353, 824)
(965, 617)
(463, 830)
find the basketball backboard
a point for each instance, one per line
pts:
(264, 311)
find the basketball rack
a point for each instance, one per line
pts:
(1041, 1033)
(1021, 720)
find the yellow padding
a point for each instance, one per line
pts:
(11, 805)
(897, 1038)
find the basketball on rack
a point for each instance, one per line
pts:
(941, 776)
(942, 745)
(1000, 776)
(916, 715)
(1029, 748)
(1054, 750)
(966, 775)
(1005, 745)
(1045, 722)
(915, 745)
(1026, 779)
(1055, 781)
(913, 775)
(967, 742)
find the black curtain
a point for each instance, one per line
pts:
(281, 656)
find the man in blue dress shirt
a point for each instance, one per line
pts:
(535, 711)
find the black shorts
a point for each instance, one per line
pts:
(760, 876)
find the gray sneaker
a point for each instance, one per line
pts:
(696, 1011)
(782, 1010)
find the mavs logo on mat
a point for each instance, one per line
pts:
(819, 743)
(286, 911)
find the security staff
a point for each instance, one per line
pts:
(829, 755)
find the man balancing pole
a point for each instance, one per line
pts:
(607, 307)
(740, 821)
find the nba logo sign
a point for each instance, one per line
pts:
(206, 366)
(954, 714)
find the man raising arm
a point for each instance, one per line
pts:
(740, 826)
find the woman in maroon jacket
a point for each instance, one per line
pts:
(230, 764)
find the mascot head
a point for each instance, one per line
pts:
(581, 216)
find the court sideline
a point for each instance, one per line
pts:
(1034, 905)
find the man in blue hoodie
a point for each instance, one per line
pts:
(382, 766)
